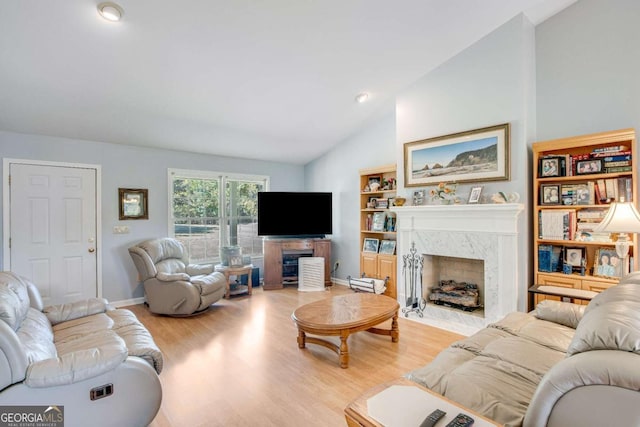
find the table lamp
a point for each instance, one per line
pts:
(621, 218)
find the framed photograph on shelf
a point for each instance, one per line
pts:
(551, 166)
(574, 257)
(388, 247)
(133, 203)
(549, 194)
(375, 182)
(587, 167)
(609, 264)
(379, 219)
(370, 245)
(418, 197)
(382, 203)
(474, 195)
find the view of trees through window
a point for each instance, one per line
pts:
(206, 218)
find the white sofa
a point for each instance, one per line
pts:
(561, 365)
(99, 363)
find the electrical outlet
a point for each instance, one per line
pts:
(120, 229)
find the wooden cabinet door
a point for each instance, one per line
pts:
(322, 248)
(387, 269)
(369, 264)
(272, 265)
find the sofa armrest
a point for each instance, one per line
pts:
(563, 313)
(13, 360)
(199, 269)
(581, 386)
(77, 366)
(172, 277)
(64, 312)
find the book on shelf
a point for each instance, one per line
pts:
(557, 224)
(610, 149)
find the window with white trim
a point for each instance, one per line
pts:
(210, 210)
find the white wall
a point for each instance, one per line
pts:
(337, 171)
(135, 167)
(588, 69)
(489, 83)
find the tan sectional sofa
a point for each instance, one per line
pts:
(560, 365)
(100, 364)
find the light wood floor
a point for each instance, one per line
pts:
(238, 364)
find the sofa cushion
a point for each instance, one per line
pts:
(80, 327)
(611, 326)
(74, 310)
(14, 303)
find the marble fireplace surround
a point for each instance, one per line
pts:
(487, 232)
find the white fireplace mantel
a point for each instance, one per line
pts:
(481, 217)
(487, 232)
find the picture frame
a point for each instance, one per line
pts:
(474, 195)
(133, 203)
(418, 197)
(387, 247)
(590, 166)
(574, 257)
(379, 219)
(470, 156)
(370, 245)
(551, 166)
(382, 203)
(550, 194)
(375, 182)
(607, 263)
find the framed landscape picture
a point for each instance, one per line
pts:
(471, 156)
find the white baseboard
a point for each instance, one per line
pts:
(340, 282)
(127, 302)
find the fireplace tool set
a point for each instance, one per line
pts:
(412, 264)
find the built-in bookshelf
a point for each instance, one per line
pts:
(574, 182)
(378, 225)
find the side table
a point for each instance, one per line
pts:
(236, 271)
(387, 405)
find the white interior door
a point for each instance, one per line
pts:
(53, 230)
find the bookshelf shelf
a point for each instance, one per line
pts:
(568, 204)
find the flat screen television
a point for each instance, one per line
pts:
(294, 214)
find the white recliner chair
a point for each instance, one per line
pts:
(172, 285)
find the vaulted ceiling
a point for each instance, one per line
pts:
(262, 79)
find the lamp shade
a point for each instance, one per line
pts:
(621, 218)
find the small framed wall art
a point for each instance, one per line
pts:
(134, 203)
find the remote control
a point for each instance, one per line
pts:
(461, 420)
(433, 418)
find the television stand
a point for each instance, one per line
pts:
(281, 260)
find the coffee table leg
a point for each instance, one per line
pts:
(302, 339)
(395, 331)
(344, 350)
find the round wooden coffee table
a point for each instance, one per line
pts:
(343, 315)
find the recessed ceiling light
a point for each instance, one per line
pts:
(110, 11)
(362, 97)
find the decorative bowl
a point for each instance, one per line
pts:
(399, 201)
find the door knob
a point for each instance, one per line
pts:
(92, 250)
